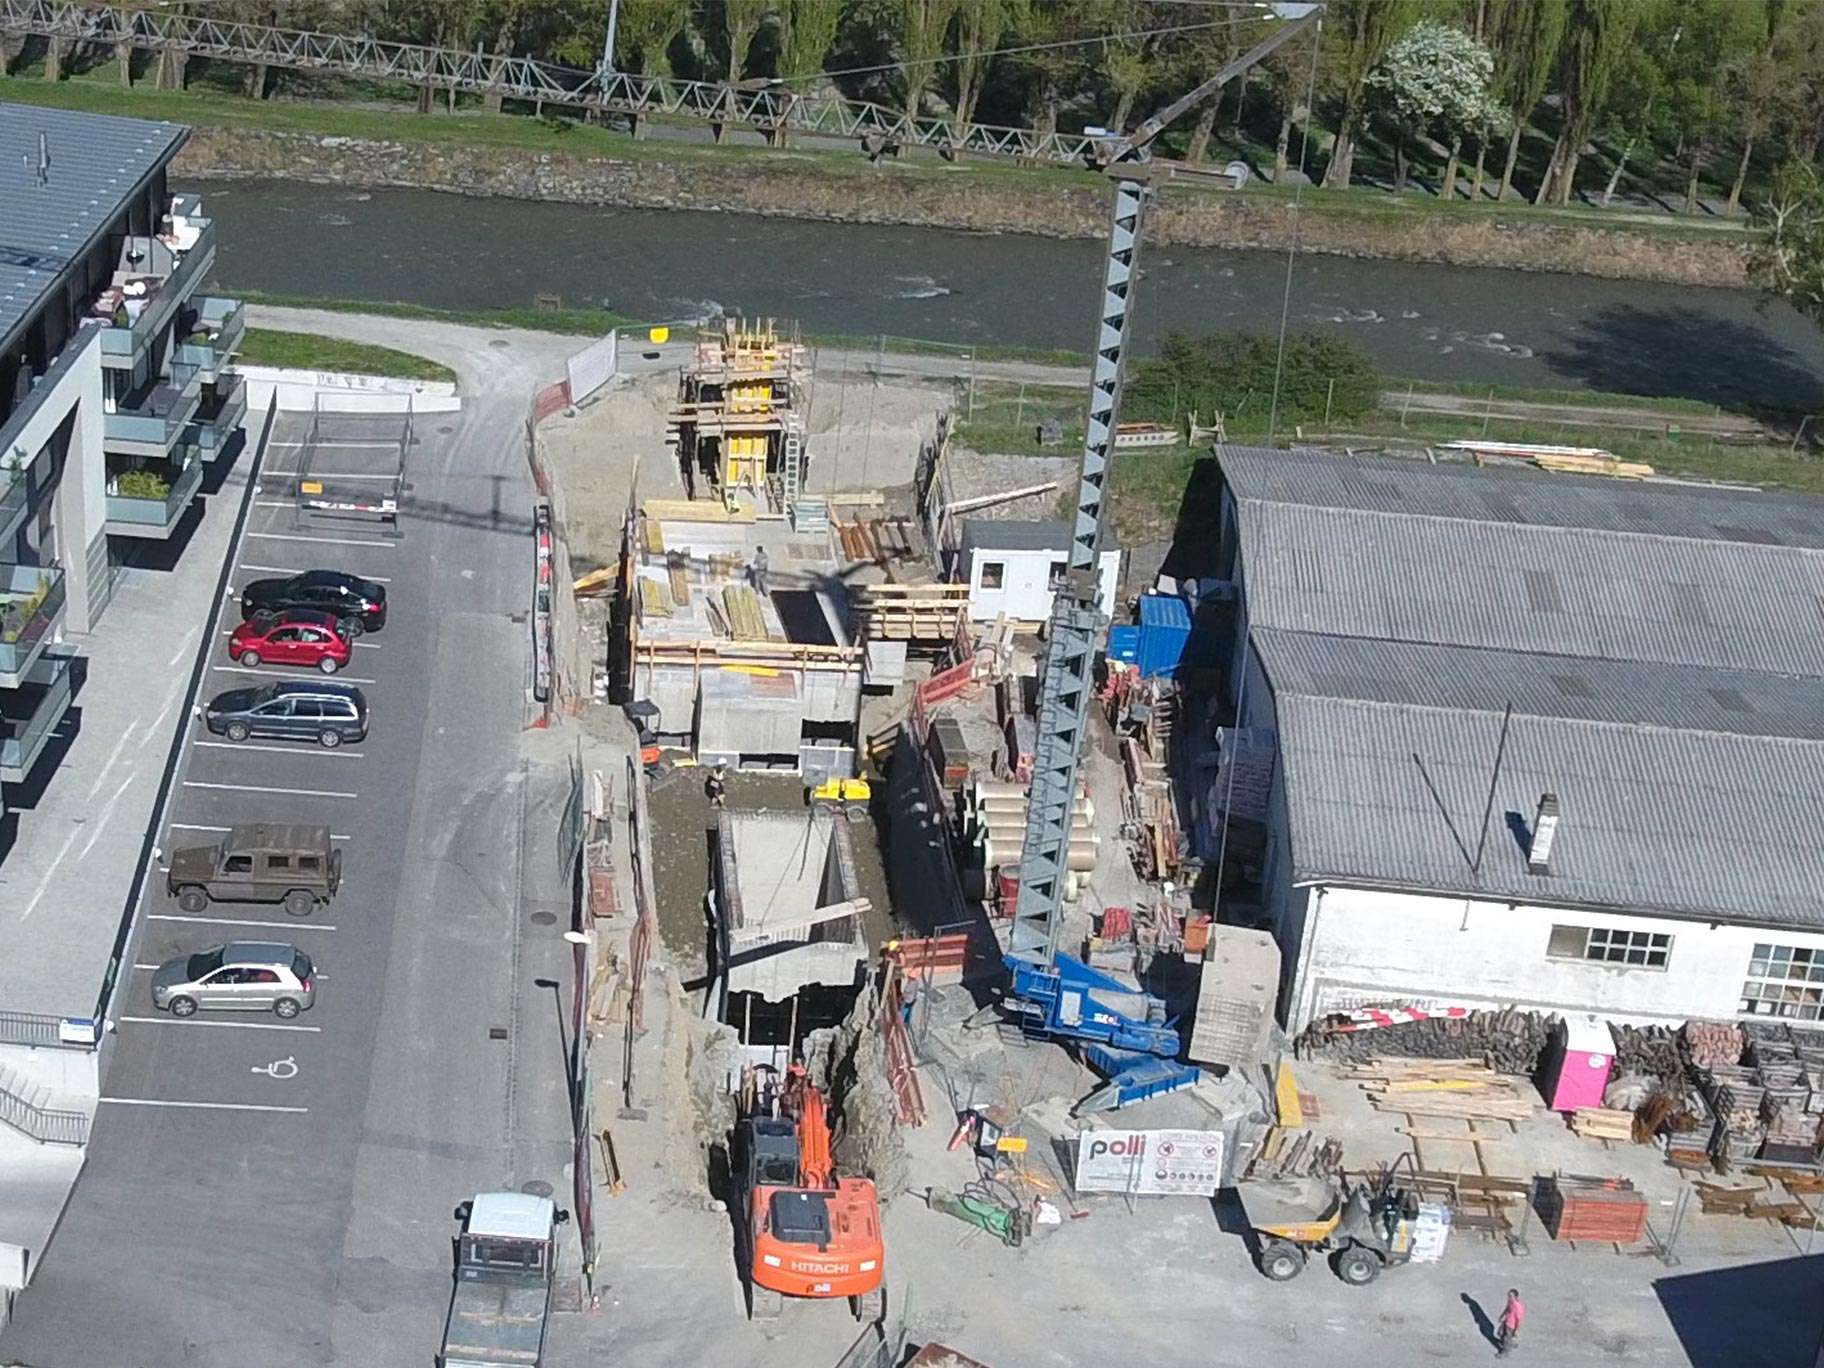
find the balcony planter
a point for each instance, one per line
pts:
(143, 503)
(31, 600)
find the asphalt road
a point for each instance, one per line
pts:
(234, 1212)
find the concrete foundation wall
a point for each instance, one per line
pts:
(1362, 946)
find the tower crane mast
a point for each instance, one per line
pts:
(1049, 989)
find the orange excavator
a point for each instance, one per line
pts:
(804, 1231)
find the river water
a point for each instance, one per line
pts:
(1426, 322)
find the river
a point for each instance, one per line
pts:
(1420, 321)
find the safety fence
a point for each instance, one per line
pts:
(768, 108)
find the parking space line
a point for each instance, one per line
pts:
(326, 541)
(199, 826)
(299, 925)
(287, 570)
(378, 444)
(277, 672)
(239, 1025)
(282, 750)
(327, 475)
(260, 788)
(203, 1106)
(316, 973)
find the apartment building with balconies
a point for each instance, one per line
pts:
(117, 387)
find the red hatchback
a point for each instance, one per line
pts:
(300, 637)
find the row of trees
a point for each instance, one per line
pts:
(1673, 91)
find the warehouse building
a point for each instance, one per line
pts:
(1535, 739)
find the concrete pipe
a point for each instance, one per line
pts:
(1000, 851)
(1082, 807)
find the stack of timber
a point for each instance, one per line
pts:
(880, 540)
(1763, 1201)
(746, 618)
(1711, 1043)
(1295, 1154)
(1603, 1123)
(1150, 813)
(1509, 1041)
(1608, 1210)
(1422, 1087)
(921, 615)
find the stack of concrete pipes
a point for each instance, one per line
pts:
(997, 821)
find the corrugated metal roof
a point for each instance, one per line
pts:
(1523, 497)
(1508, 586)
(1687, 822)
(96, 162)
(1570, 688)
(1662, 648)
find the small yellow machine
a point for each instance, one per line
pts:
(1363, 1228)
(840, 791)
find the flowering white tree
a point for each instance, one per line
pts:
(1435, 78)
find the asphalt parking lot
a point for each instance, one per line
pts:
(266, 1191)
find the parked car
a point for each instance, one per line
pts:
(261, 862)
(242, 976)
(294, 709)
(359, 603)
(299, 636)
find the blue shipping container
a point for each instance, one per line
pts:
(1165, 627)
(1124, 644)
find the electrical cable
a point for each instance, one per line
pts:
(1298, 194)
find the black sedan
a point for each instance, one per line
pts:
(359, 603)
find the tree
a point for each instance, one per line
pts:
(741, 21)
(1524, 36)
(1597, 40)
(1719, 39)
(1434, 77)
(980, 25)
(1362, 31)
(1760, 82)
(643, 33)
(1286, 77)
(1800, 110)
(1790, 260)
(810, 29)
(1206, 51)
(921, 43)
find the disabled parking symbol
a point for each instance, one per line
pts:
(279, 1068)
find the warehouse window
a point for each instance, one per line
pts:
(994, 574)
(1605, 945)
(1785, 981)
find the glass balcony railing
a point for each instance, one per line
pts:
(168, 277)
(31, 712)
(31, 603)
(216, 422)
(18, 450)
(214, 337)
(150, 422)
(145, 514)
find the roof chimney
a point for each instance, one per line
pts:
(44, 160)
(1545, 831)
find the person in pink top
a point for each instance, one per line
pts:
(1512, 1315)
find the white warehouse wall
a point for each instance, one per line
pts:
(1357, 945)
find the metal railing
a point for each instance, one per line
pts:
(38, 1030)
(46, 1125)
(771, 109)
